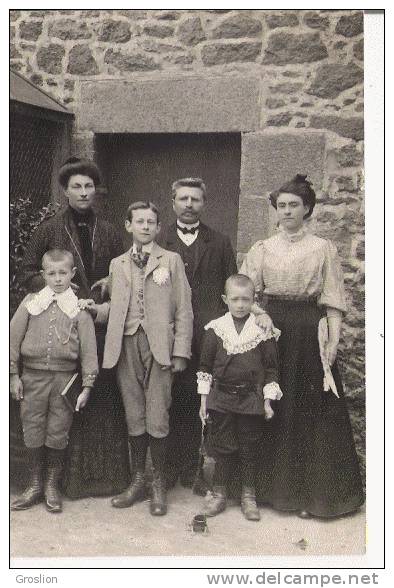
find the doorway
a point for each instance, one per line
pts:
(143, 167)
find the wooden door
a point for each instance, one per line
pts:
(143, 167)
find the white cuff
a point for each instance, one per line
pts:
(204, 381)
(272, 391)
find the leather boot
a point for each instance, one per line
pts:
(34, 491)
(158, 504)
(215, 501)
(248, 504)
(53, 498)
(134, 493)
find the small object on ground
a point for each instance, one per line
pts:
(302, 544)
(199, 523)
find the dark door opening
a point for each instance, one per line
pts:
(143, 167)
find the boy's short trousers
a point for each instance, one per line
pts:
(145, 387)
(230, 433)
(46, 417)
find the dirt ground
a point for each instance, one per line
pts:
(92, 528)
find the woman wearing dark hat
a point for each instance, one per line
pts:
(314, 468)
(97, 462)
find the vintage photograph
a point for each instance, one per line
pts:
(187, 339)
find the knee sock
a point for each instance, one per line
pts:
(138, 449)
(158, 449)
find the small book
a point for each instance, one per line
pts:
(72, 390)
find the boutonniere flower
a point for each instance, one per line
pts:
(161, 276)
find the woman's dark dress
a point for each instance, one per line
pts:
(97, 462)
(309, 460)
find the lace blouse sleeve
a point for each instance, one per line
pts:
(333, 292)
(252, 265)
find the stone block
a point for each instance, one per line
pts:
(351, 127)
(269, 158)
(14, 53)
(349, 156)
(171, 104)
(130, 61)
(133, 14)
(167, 14)
(358, 50)
(30, 30)
(284, 19)
(69, 29)
(237, 25)
(154, 46)
(220, 53)
(314, 20)
(158, 30)
(81, 61)
(285, 88)
(284, 48)
(350, 25)
(274, 103)
(190, 31)
(114, 31)
(333, 78)
(36, 79)
(49, 58)
(281, 119)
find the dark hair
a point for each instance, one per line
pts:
(57, 255)
(239, 280)
(142, 205)
(299, 186)
(74, 166)
(189, 182)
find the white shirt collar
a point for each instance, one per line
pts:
(234, 342)
(185, 226)
(145, 248)
(66, 301)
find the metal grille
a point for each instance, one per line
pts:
(33, 145)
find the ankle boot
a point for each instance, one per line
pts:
(53, 498)
(134, 493)
(158, 504)
(34, 491)
(248, 504)
(215, 501)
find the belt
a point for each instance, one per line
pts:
(236, 388)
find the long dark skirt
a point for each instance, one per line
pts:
(308, 461)
(97, 461)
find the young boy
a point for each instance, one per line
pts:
(150, 323)
(237, 380)
(51, 335)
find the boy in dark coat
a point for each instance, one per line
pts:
(237, 379)
(209, 260)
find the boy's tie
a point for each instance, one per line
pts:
(140, 258)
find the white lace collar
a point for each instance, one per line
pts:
(250, 336)
(66, 301)
(292, 237)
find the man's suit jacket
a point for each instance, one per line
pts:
(215, 263)
(168, 321)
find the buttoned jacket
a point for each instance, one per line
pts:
(168, 314)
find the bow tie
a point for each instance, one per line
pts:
(140, 258)
(187, 231)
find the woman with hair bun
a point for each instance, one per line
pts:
(97, 462)
(299, 281)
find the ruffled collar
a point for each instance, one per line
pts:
(66, 301)
(250, 336)
(292, 237)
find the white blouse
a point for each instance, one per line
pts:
(297, 266)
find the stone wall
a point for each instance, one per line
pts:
(308, 67)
